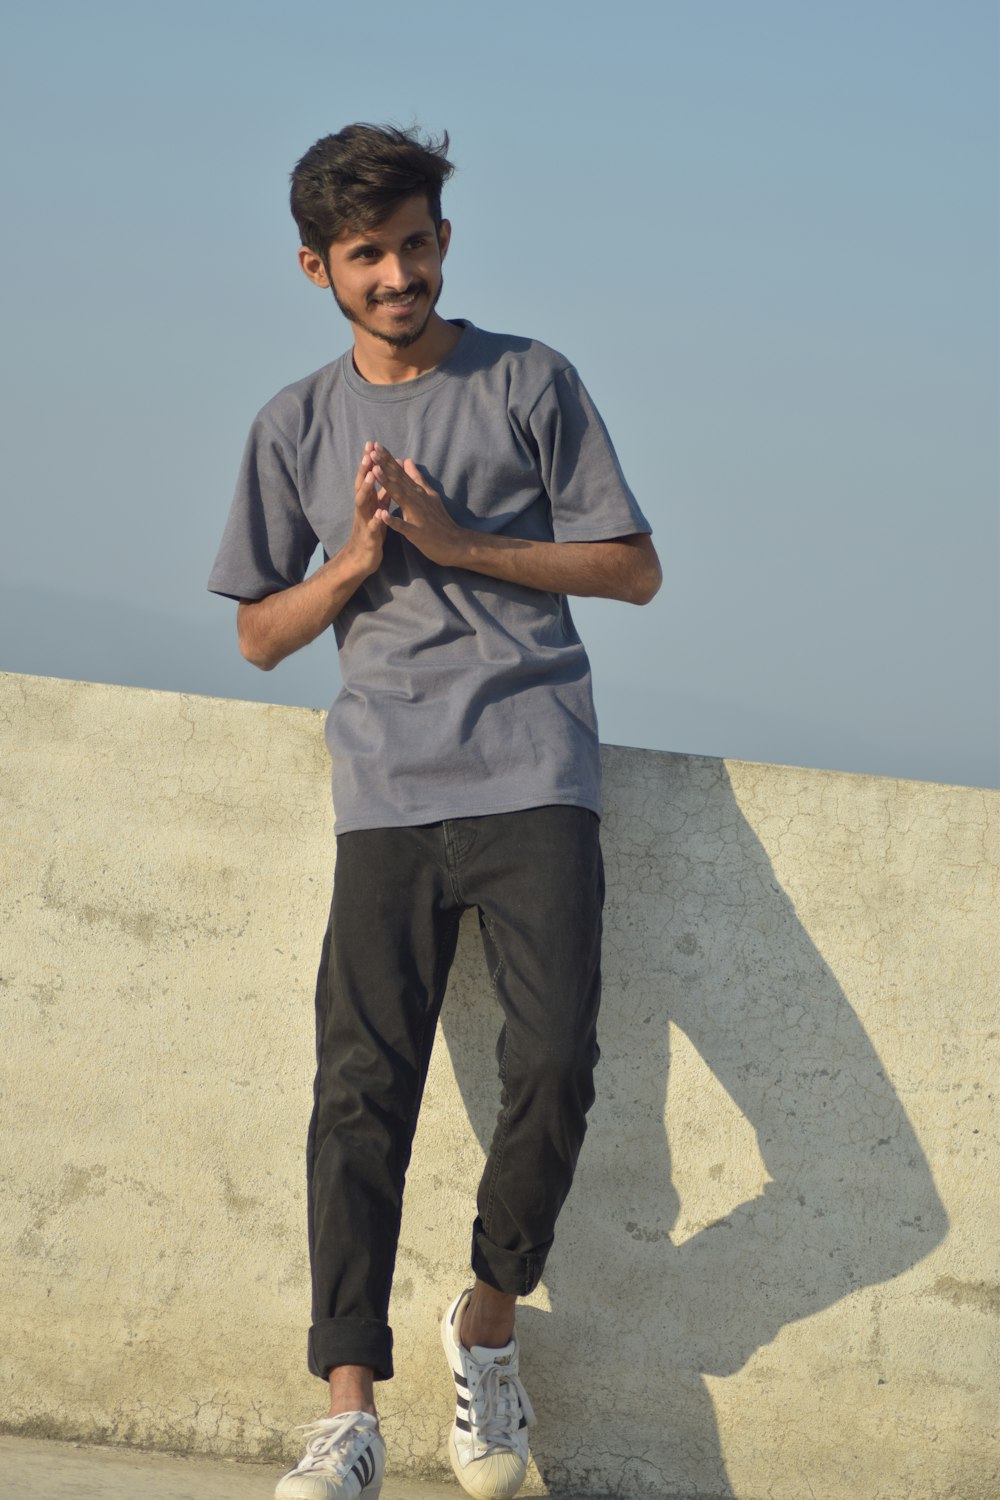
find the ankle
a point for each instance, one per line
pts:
(487, 1318)
(352, 1388)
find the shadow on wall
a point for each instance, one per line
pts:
(698, 932)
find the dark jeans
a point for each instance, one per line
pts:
(537, 880)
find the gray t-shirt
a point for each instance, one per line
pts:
(462, 694)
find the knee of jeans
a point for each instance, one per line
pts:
(562, 1065)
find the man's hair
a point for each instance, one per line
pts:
(356, 179)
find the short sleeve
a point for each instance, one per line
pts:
(591, 501)
(268, 541)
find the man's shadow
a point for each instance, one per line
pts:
(698, 932)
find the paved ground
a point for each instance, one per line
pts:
(31, 1470)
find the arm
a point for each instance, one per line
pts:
(271, 628)
(625, 568)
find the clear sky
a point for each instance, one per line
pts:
(766, 233)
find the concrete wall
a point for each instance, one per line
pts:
(777, 1275)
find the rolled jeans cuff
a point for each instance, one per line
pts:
(350, 1341)
(505, 1270)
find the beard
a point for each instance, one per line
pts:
(403, 339)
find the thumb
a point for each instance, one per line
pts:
(412, 472)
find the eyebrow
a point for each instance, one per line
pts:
(374, 241)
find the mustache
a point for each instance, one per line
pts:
(389, 298)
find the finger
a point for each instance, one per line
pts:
(402, 483)
(383, 466)
(412, 472)
(379, 452)
(394, 523)
(365, 491)
(408, 471)
(384, 463)
(393, 482)
(364, 467)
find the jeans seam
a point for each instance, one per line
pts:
(443, 939)
(459, 842)
(500, 1142)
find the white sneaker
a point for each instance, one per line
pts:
(344, 1459)
(488, 1443)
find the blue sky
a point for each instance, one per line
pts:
(766, 233)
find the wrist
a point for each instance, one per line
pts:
(352, 564)
(469, 549)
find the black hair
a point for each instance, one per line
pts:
(356, 179)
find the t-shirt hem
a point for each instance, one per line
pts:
(226, 588)
(607, 532)
(480, 810)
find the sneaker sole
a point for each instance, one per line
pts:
(505, 1486)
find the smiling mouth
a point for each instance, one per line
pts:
(402, 304)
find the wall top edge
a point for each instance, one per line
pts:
(741, 768)
(84, 684)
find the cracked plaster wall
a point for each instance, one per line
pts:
(777, 1274)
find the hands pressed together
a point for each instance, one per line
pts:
(422, 517)
(271, 628)
(621, 568)
(280, 623)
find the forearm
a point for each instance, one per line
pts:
(626, 568)
(272, 628)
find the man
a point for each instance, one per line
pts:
(460, 484)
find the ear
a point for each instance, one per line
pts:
(444, 237)
(312, 265)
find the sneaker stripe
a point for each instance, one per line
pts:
(364, 1468)
(461, 1422)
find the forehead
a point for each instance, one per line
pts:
(412, 216)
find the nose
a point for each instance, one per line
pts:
(395, 272)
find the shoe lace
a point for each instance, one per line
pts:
(495, 1407)
(332, 1443)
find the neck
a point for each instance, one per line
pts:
(383, 364)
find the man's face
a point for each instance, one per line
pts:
(387, 280)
